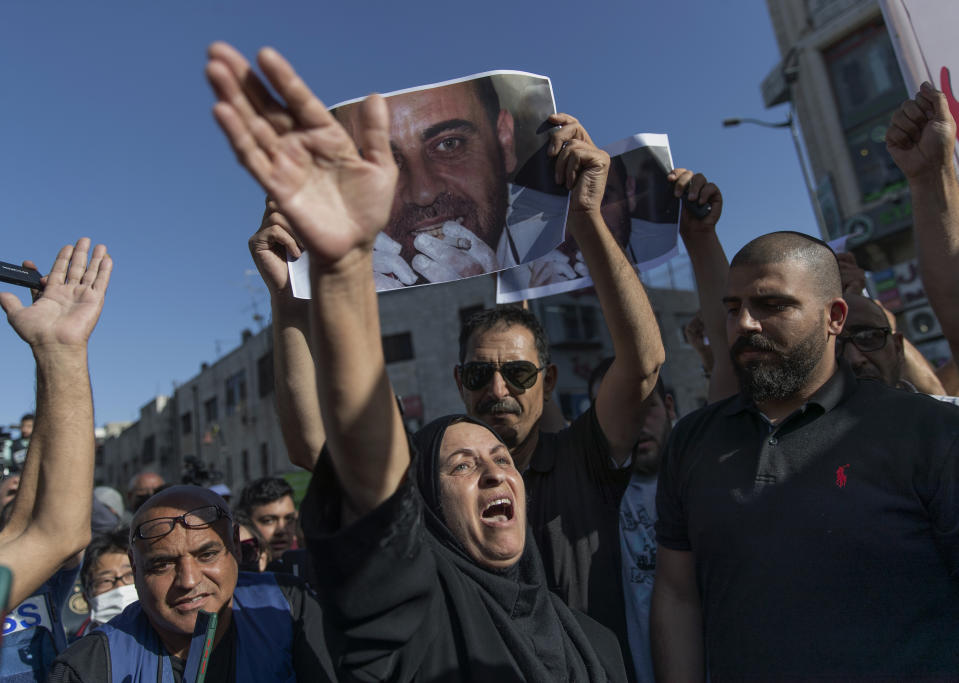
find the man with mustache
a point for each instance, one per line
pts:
(873, 346)
(807, 526)
(182, 550)
(875, 349)
(575, 477)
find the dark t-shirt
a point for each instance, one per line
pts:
(88, 659)
(574, 493)
(828, 545)
(295, 562)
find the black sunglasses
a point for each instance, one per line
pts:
(520, 374)
(867, 338)
(199, 518)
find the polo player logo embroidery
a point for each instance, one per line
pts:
(841, 476)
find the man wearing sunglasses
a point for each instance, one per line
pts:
(868, 343)
(876, 351)
(183, 553)
(575, 478)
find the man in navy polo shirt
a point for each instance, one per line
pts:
(808, 526)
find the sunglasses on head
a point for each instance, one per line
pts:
(519, 374)
(198, 518)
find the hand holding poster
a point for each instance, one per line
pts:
(638, 207)
(475, 192)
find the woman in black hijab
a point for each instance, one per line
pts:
(420, 549)
(439, 583)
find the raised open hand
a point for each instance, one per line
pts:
(922, 134)
(701, 192)
(67, 310)
(335, 198)
(580, 165)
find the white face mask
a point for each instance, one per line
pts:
(107, 605)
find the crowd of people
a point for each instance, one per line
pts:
(804, 525)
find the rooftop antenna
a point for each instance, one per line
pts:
(255, 294)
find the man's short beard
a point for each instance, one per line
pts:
(782, 377)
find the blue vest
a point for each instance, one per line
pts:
(33, 632)
(264, 637)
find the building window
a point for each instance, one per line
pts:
(397, 347)
(210, 412)
(567, 323)
(264, 459)
(875, 170)
(868, 88)
(264, 373)
(186, 423)
(245, 465)
(235, 392)
(865, 75)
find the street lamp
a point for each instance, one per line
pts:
(789, 123)
(730, 123)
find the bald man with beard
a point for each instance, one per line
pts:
(183, 550)
(811, 514)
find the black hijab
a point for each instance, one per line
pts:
(541, 633)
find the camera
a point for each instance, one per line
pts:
(18, 275)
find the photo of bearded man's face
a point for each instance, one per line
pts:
(454, 153)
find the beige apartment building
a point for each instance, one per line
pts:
(840, 75)
(226, 417)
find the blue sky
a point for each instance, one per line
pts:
(107, 133)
